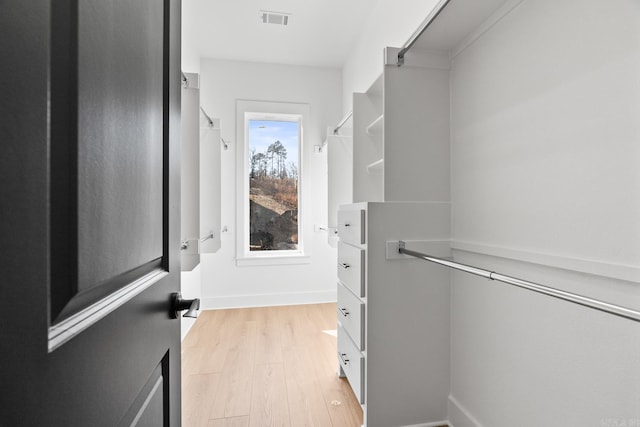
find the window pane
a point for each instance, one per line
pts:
(273, 185)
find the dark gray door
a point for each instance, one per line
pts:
(89, 193)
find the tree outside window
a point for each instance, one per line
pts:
(273, 184)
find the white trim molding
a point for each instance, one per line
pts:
(431, 424)
(268, 300)
(598, 268)
(274, 259)
(62, 332)
(284, 111)
(459, 416)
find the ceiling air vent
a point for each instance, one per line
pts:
(278, 18)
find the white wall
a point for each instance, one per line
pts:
(545, 169)
(224, 284)
(391, 23)
(190, 54)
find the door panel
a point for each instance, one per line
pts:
(90, 195)
(111, 137)
(120, 141)
(148, 409)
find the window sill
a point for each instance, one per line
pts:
(264, 260)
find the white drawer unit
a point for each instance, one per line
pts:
(351, 315)
(393, 314)
(351, 226)
(352, 363)
(351, 264)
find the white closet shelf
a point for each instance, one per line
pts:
(375, 128)
(376, 167)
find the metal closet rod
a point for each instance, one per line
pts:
(616, 310)
(184, 245)
(210, 120)
(347, 117)
(421, 29)
(210, 235)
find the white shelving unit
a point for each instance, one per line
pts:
(401, 132)
(210, 186)
(201, 184)
(368, 144)
(376, 127)
(339, 149)
(393, 341)
(376, 167)
(393, 334)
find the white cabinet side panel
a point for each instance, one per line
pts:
(339, 175)
(407, 318)
(366, 150)
(416, 134)
(210, 188)
(190, 177)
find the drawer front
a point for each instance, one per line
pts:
(351, 227)
(351, 268)
(351, 315)
(352, 363)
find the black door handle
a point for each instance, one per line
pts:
(178, 304)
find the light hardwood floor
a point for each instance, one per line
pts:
(271, 366)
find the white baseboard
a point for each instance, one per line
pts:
(431, 424)
(267, 300)
(459, 416)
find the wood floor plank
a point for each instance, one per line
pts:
(342, 404)
(269, 405)
(204, 360)
(307, 406)
(191, 360)
(213, 359)
(293, 324)
(229, 422)
(269, 336)
(271, 366)
(234, 394)
(198, 393)
(201, 329)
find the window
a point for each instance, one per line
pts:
(273, 182)
(270, 170)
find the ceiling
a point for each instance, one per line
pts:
(320, 32)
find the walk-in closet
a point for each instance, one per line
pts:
(470, 204)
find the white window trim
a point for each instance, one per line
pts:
(244, 257)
